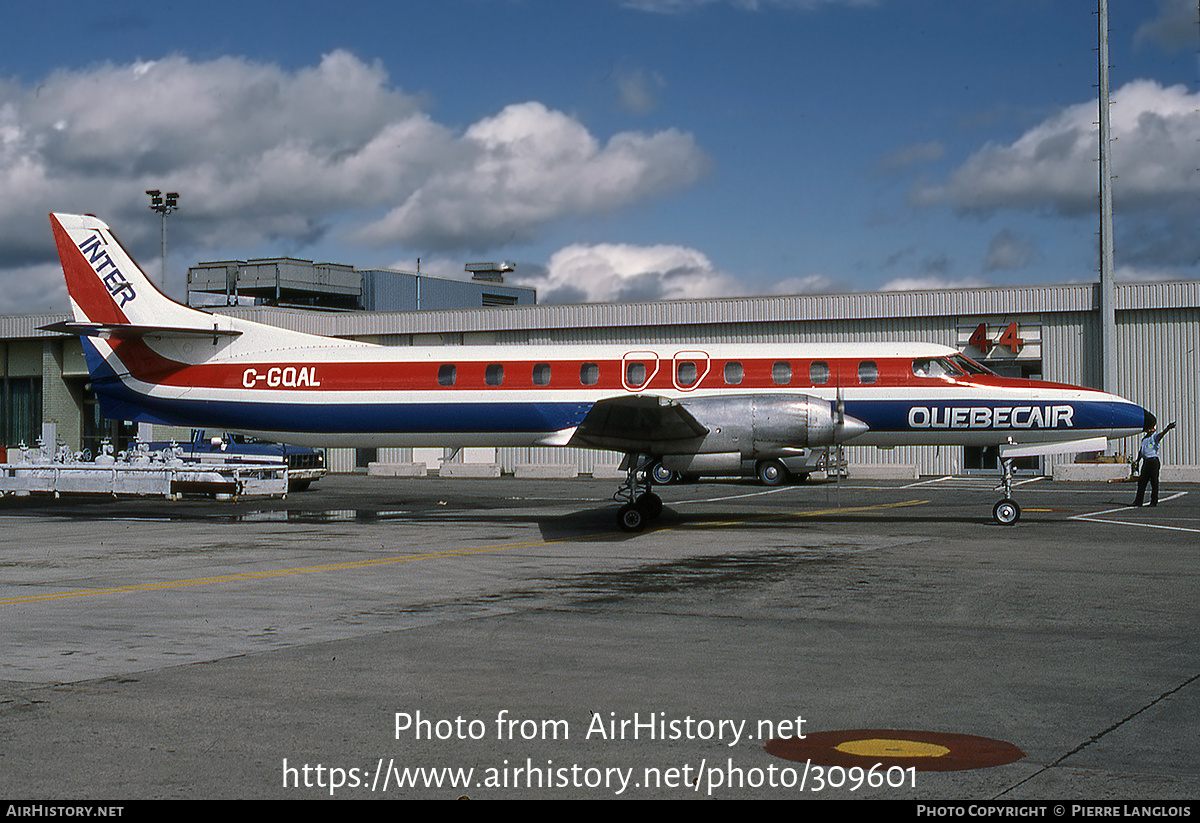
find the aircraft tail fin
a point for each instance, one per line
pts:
(107, 287)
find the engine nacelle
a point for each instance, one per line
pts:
(770, 425)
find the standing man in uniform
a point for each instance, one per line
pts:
(1150, 464)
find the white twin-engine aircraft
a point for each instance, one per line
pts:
(687, 407)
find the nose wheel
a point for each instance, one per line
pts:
(1007, 511)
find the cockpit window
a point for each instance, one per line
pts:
(954, 366)
(969, 366)
(935, 367)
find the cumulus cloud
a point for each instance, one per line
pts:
(1133, 274)
(1168, 240)
(1009, 252)
(1173, 28)
(906, 157)
(38, 289)
(516, 171)
(807, 284)
(637, 88)
(931, 282)
(616, 272)
(255, 150)
(259, 153)
(1052, 167)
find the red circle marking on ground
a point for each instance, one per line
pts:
(922, 750)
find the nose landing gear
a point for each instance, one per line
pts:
(1007, 511)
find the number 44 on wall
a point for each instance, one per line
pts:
(1010, 337)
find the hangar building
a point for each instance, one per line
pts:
(1047, 332)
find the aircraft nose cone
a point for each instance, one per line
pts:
(848, 429)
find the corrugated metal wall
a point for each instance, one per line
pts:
(1158, 368)
(1158, 336)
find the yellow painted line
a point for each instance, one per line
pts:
(408, 558)
(356, 564)
(861, 509)
(768, 515)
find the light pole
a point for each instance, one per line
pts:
(164, 206)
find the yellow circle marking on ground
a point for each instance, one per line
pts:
(881, 747)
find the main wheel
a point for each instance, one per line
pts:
(630, 518)
(1007, 512)
(661, 475)
(650, 504)
(772, 473)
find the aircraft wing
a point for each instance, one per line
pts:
(637, 423)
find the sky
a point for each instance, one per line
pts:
(613, 150)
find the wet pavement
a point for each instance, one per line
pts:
(374, 637)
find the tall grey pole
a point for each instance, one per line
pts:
(1108, 296)
(164, 206)
(162, 273)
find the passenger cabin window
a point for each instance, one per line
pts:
(733, 373)
(635, 374)
(493, 375)
(781, 372)
(447, 373)
(868, 372)
(818, 373)
(541, 374)
(686, 373)
(589, 374)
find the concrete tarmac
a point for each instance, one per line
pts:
(374, 637)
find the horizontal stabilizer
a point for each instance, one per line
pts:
(1091, 444)
(128, 331)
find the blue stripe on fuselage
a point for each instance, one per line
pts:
(119, 402)
(995, 415)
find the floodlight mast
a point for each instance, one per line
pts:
(164, 205)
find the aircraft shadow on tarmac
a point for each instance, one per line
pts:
(597, 524)
(592, 523)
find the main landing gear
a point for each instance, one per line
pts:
(1006, 512)
(640, 504)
